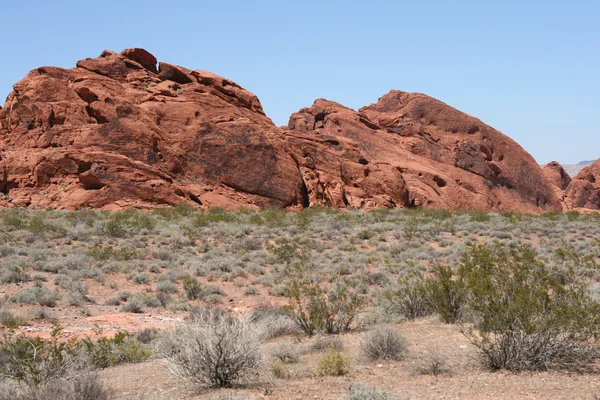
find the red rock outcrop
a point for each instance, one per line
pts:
(116, 131)
(556, 175)
(124, 130)
(408, 150)
(584, 189)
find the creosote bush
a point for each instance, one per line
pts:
(38, 362)
(318, 306)
(214, 349)
(523, 314)
(528, 317)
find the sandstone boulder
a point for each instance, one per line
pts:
(584, 189)
(556, 175)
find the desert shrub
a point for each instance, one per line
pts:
(333, 363)
(527, 318)
(432, 364)
(251, 291)
(365, 234)
(9, 319)
(479, 216)
(279, 370)
(214, 215)
(358, 391)
(40, 295)
(213, 299)
(36, 361)
(316, 306)
(214, 289)
(14, 274)
(192, 288)
(408, 298)
(101, 252)
(147, 335)
(141, 278)
(287, 353)
(113, 301)
(272, 321)
(134, 305)
(383, 344)
(214, 349)
(106, 352)
(83, 387)
(166, 287)
(124, 295)
(417, 296)
(14, 218)
(327, 343)
(445, 295)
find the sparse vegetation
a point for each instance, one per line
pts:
(333, 272)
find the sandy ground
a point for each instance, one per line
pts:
(152, 380)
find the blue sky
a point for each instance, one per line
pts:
(528, 68)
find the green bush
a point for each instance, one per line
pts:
(107, 352)
(528, 316)
(408, 298)
(333, 363)
(214, 215)
(192, 288)
(417, 296)
(445, 295)
(315, 306)
(36, 361)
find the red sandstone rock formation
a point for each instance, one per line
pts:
(556, 175)
(584, 189)
(409, 150)
(118, 131)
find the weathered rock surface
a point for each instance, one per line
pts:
(116, 131)
(556, 175)
(584, 189)
(412, 150)
(124, 130)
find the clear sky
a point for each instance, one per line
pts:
(528, 68)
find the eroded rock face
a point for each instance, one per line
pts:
(116, 131)
(556, 175)
(411, 150)
(124, 130)
(584, 189)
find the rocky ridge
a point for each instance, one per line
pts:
(123, 130)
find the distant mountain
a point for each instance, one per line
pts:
(573, 170)
(586, 163)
